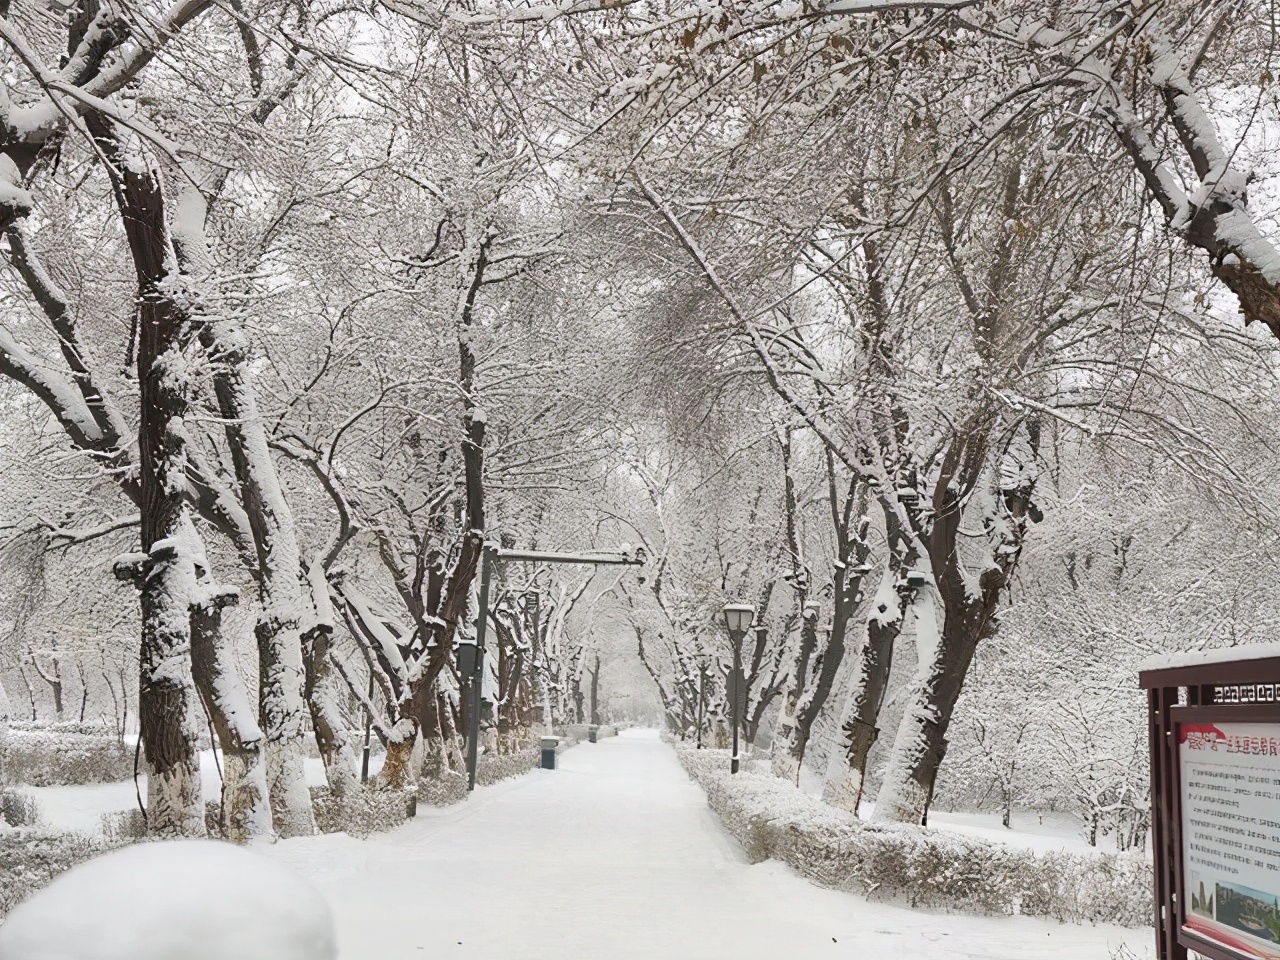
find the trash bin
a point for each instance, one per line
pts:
(591, 733)
(549, 745)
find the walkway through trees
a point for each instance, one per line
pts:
(615, 855)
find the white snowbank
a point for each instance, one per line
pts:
(189, 899)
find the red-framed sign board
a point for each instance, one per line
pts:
(1215, 808)
(1229, 819)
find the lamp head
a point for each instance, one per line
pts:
(738, 617)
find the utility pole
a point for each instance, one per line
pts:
(472, 670)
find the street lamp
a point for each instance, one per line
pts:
(737, 618)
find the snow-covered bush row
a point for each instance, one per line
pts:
(491, 769)
(31, 857)
(452, 788)
(442, 791)
(362, 811)
(772, 819)
(53, 756)
(130, 826)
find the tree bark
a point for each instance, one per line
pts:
(246, 808)
(166, 575)
(595, 692)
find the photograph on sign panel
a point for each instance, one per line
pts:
(1252, 911)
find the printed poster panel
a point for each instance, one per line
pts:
(1231, 834)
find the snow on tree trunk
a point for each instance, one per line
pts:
(791, 738)
(280, 670)
(245, 810)
(903, 797)
(280, 707)
(6, 711)
(332, 738)
(860, 725)
(165, 571)
(398, 769)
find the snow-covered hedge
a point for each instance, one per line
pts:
(772, 819)
(64, 753)
(362, 812)
(452, 788)
(31, 857)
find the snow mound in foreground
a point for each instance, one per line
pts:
(188, 899)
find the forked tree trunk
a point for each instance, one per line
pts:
(921, 741)
(847, 586)
(951, 623)
(246, 807)
(281, 671)
(892, 604)
(332, 738)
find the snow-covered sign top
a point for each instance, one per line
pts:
(1256, 662)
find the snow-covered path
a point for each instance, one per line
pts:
(615, 855)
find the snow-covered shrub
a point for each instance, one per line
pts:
(363, 811)
(17, 809)
(64, 753)
(451, 788)
(442, 791)
(492, 769)
(127, 826)
(31, 857)
(771, 818)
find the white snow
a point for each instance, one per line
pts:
(193, 899)
(614, 854)
(1199, 658)
(81, 808)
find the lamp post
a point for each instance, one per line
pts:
(737, 618)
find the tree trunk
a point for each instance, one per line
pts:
(5, 715)
(332, 738)
(281, 670)
(166, 691)
(321, 690)
(166, 573)
(791, 740)
(945, 649)
(246, 809)
(595, 692)
(871, 680)
(398, 771)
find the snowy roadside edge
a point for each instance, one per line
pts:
(772, 819)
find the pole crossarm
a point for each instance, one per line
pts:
(622, 557)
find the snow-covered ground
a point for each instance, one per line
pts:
(1041, 832)
(615, 854)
